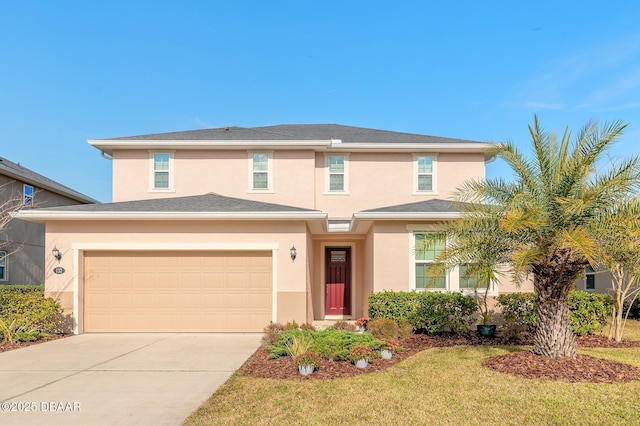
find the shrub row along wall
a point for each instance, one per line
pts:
(588, 312)
(433, 313)
(453, 312)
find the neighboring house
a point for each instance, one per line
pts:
(22, 254)
(228, 229)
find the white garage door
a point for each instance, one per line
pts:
(176, 291)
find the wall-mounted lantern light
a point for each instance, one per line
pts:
(294, 253)
(56, 253)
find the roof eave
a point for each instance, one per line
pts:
(44, 216)
(407, 215)
(108, 146)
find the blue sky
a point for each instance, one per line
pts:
(73, 71)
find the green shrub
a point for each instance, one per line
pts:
(520, 313)
(398, 306)
(328, 344)
(14, 288)
(588, 312)
(431, 312)
(634, 312)
(383, 328)
(30, 309)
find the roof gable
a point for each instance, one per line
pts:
(21, 173)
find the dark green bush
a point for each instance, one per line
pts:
(431, 312)
(520, 313)
(634, 312)
(588, 312)
(398, 306)
(383, 328)
(30, 309)
(328, 343)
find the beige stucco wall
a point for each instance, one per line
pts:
(199, 172)
(289, 277)
(386, 179)
(299, 178)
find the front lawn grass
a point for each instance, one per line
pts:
(440, 386)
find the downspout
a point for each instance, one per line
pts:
(105, 155)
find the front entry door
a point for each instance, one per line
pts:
(337, 280)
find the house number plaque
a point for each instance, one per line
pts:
(58, 270)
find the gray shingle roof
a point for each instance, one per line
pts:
(207, 203)
(347, 134)
(21, 173)
(427, 206)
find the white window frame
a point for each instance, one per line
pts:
(152, 171)
(27, 200)
(269, 171)
(327, 175)
(589, 272)
(4, 264)
(434, 174)
(413, 262)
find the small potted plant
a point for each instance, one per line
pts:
(390, 345)
(485, 329)
(361, 324)
(360, 355)
(307, 362)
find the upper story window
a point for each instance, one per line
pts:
(589, 279)
(260, 171)
(427, 248)
(27, 192)
(337, 179)
(3, 265)
(424, 167)
(161, 171)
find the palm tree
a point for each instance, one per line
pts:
(541, 224)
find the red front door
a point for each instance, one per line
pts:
(337, 280)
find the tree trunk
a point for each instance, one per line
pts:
(553, 336)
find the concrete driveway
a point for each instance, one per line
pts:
(117, 379)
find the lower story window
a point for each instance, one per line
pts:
(428, 247)
(468, 281)
(589, 279)
(3, 265)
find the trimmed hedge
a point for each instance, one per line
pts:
(430, 312)
(588, 312)
(31, 311)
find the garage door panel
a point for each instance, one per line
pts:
(165, 291)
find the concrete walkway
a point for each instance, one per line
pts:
(117, 379)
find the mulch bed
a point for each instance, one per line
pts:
(521, 364)
(4, 347)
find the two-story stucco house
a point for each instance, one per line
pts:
(228, 229)
(22, 253)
